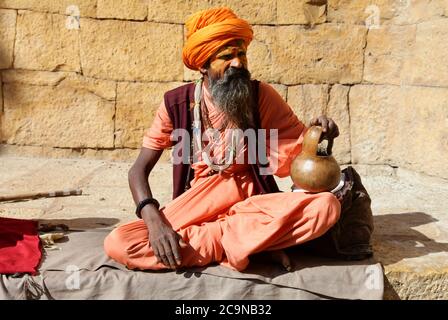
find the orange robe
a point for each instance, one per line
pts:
(220, 217)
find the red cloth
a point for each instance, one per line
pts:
(20, 249)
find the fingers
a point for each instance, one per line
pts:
(320, 121)
(314, 122)
(156, 254)
(330, 129)
(324, 124)
(159, 252)
(169, 254)
(333, 130)
(166, 245)
(182, 243)
(164, 253)
(175, 249)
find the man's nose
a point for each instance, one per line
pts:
(236, 63)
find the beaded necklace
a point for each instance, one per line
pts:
(197, 133)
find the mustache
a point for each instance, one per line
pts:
(236, 73)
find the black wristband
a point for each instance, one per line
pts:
(144, 203)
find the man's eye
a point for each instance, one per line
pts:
(241, 54)
(226, 57)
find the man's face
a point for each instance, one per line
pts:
(229, 83)
(232, 54)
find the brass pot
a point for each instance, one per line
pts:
(313, 172)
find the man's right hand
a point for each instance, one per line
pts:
(166, 243)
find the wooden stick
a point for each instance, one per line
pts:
(70, 192)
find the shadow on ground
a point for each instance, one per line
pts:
(394, 238)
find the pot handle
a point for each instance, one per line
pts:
(311, 140)
(330, 146)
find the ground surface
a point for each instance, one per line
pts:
(411, 219)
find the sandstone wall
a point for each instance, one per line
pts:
(84, 77)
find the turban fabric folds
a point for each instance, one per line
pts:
(209, 30)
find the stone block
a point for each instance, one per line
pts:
(408, 54)
(416, 11)
(308, 101)
(123, 9)
(133, 51)
(387, 50)
(43, 42)
(374, 13)
(301, 11)
(401, 126)
(426, 63)
(360, 12)
(7, 34)
(73, 113)
(281, 89)
(83, 8)
(337, 109)
(172, 11)
(40, 78)
(137, 104)
(259, 54)
(101, 88)
(255, 12)
(291, 55)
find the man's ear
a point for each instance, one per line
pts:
(204, 69)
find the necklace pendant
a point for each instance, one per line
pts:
(212, 172)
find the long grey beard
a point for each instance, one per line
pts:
(233, 96)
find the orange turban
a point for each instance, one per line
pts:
(208, 30)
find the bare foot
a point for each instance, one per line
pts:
(281, 257)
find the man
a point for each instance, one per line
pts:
(222, 211)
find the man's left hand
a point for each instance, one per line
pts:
(330, 129)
